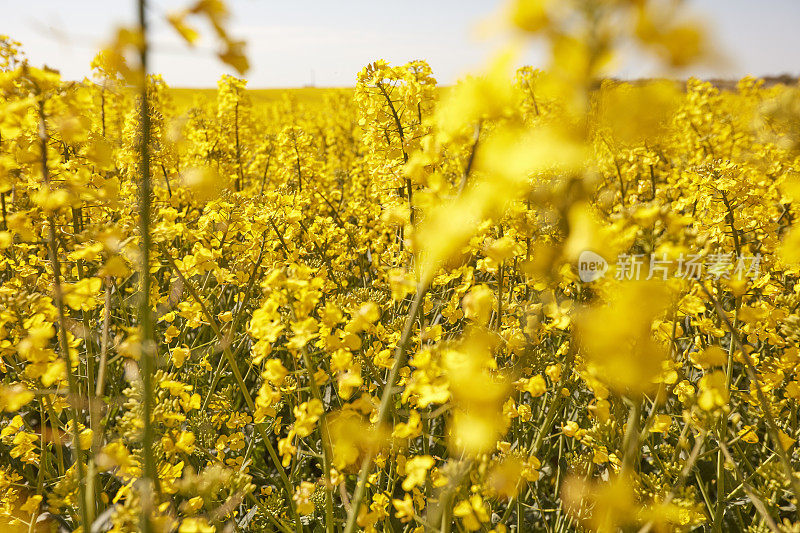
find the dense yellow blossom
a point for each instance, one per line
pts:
(538, 299)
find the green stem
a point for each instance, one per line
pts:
(72, 380)
(383, 409)
(147, 362)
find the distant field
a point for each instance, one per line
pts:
(185, 96)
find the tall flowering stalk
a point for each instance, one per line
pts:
(147, 362)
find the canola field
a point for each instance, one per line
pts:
(536, 300)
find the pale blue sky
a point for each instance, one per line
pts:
(292, 40)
